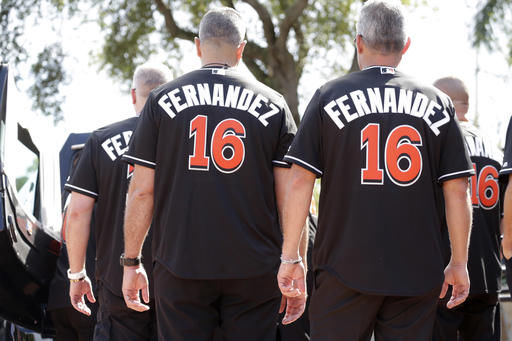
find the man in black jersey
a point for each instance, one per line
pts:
(478, 317)
(387, 148)
(506, 177)
(101, 181)
(209, 175)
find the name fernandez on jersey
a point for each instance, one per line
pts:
(359, 103)
(117, 145)
(223, 95)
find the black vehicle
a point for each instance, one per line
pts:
(30, 216)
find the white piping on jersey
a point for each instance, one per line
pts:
(140, 160)
(81, 189)
(280, 162)
(304, 163)
(503, 170)
(455, 173)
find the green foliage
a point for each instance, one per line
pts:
(49, 75)
(15, 16)
(492, 21)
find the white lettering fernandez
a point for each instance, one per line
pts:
(228, 96)
(117, 145)
(389, 100)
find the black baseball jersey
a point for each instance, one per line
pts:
(213, 137)
(383, 144)
(484, 264)
(102, 175)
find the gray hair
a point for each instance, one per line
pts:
(382, 26)
(149, 76)
(222, 23)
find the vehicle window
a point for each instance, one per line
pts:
(26, 172)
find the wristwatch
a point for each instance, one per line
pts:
(124, 261)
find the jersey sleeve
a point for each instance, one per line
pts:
(142, 148)
(84, 178)
(455, 161)
(507, 154)
(305, 150)
(287, 132)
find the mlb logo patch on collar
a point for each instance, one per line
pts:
(384, 70)
(221, 72)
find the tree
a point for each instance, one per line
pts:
(46, 68)
(284, 36)
(492, 17)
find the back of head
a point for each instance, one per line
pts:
(222, 24)
(381, 25)
(452, 86)
(149, 76)
(458, 92)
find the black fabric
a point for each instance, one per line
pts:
(338, 312)
(70, 325)
(380, 219)
(213, 138)
(102, 175)
(231, 309)
(484, 264)
(477, 319)
(117, 322)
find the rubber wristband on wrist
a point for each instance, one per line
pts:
(77, 276)
(291, 261)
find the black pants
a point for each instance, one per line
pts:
(117, 322)
(477, 319)
(340, 313)
(72, 325)
(232, 309)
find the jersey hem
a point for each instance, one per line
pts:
(303, 164)
(369, 291)
(271, 270)
(83, 191)
(454, 175)
(135, 160)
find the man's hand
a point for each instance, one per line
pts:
(135, 280)
(77, 290)
(292, 283)
(457, 276)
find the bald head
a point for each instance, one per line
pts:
(457, 91)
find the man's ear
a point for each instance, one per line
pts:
(198, 46)
(134, 96)
(359, 44)
(240, 50)
(407, 45)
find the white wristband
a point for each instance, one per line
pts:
(291, 261)
(77, 275)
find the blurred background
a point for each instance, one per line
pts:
(73, 60)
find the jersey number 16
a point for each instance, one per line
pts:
(227, 145)
(484, 187)
(402, 157)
